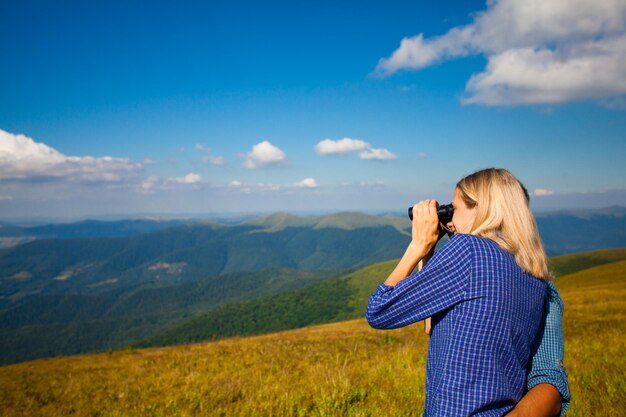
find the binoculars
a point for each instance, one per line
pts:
(444, 213)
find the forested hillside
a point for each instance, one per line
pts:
(65, 296)
(183, 254)
(326, 301)
(51, 325)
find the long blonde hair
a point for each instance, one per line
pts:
(503, 215)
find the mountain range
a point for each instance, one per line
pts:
(66, 295)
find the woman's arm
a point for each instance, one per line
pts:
(424, 236)
(543, 400)
(441, 284)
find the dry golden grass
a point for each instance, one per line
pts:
(337, 369)
(341, 369)
(595, 339)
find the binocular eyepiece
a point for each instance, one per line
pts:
(444, 213)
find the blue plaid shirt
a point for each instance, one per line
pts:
(546, 365)
(485, 312)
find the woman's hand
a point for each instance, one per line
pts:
(425, 234)
(425, 227)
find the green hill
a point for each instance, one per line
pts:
(566, 264)
(322, 302)
(334, 369)
(183, 254)
(64, 324)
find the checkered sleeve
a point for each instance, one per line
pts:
(547, 362)
(439, 285)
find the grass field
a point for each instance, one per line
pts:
(340, 369)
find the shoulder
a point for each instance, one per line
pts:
(462, 240)
(458, 243)
(470, 248)
(552, 291)
(474, 246)
(471, 243)
(458, 250)
(553, 297)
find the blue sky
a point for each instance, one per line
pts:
(213, 107)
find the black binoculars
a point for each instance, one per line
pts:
(444, 213)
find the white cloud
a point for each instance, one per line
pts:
(265, 188)
(150, 183)
(587, 70)
(261, 186)
(307, 183)
(208, 157)
(538, 51)
(539, 192)
(348, 146)
(415, 53)
(340, 147)
(263, 154)
(421, 155)
(6, 197)
(21, 158)
(214, 160)
(154, 183)
(238, 186)
(190, 178)
(381, 154)
(377, 183)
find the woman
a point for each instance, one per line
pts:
(484, 291)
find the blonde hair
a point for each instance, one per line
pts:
(503, 215)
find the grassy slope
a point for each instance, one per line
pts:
(566, 264)
(323, 302)
(333, 369)
(594, 327)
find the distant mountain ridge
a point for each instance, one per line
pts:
(184, 254)
(570, 231)
(13, 235)
(344, 220)
(93, 228)
(613, 211)
(272, 222)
